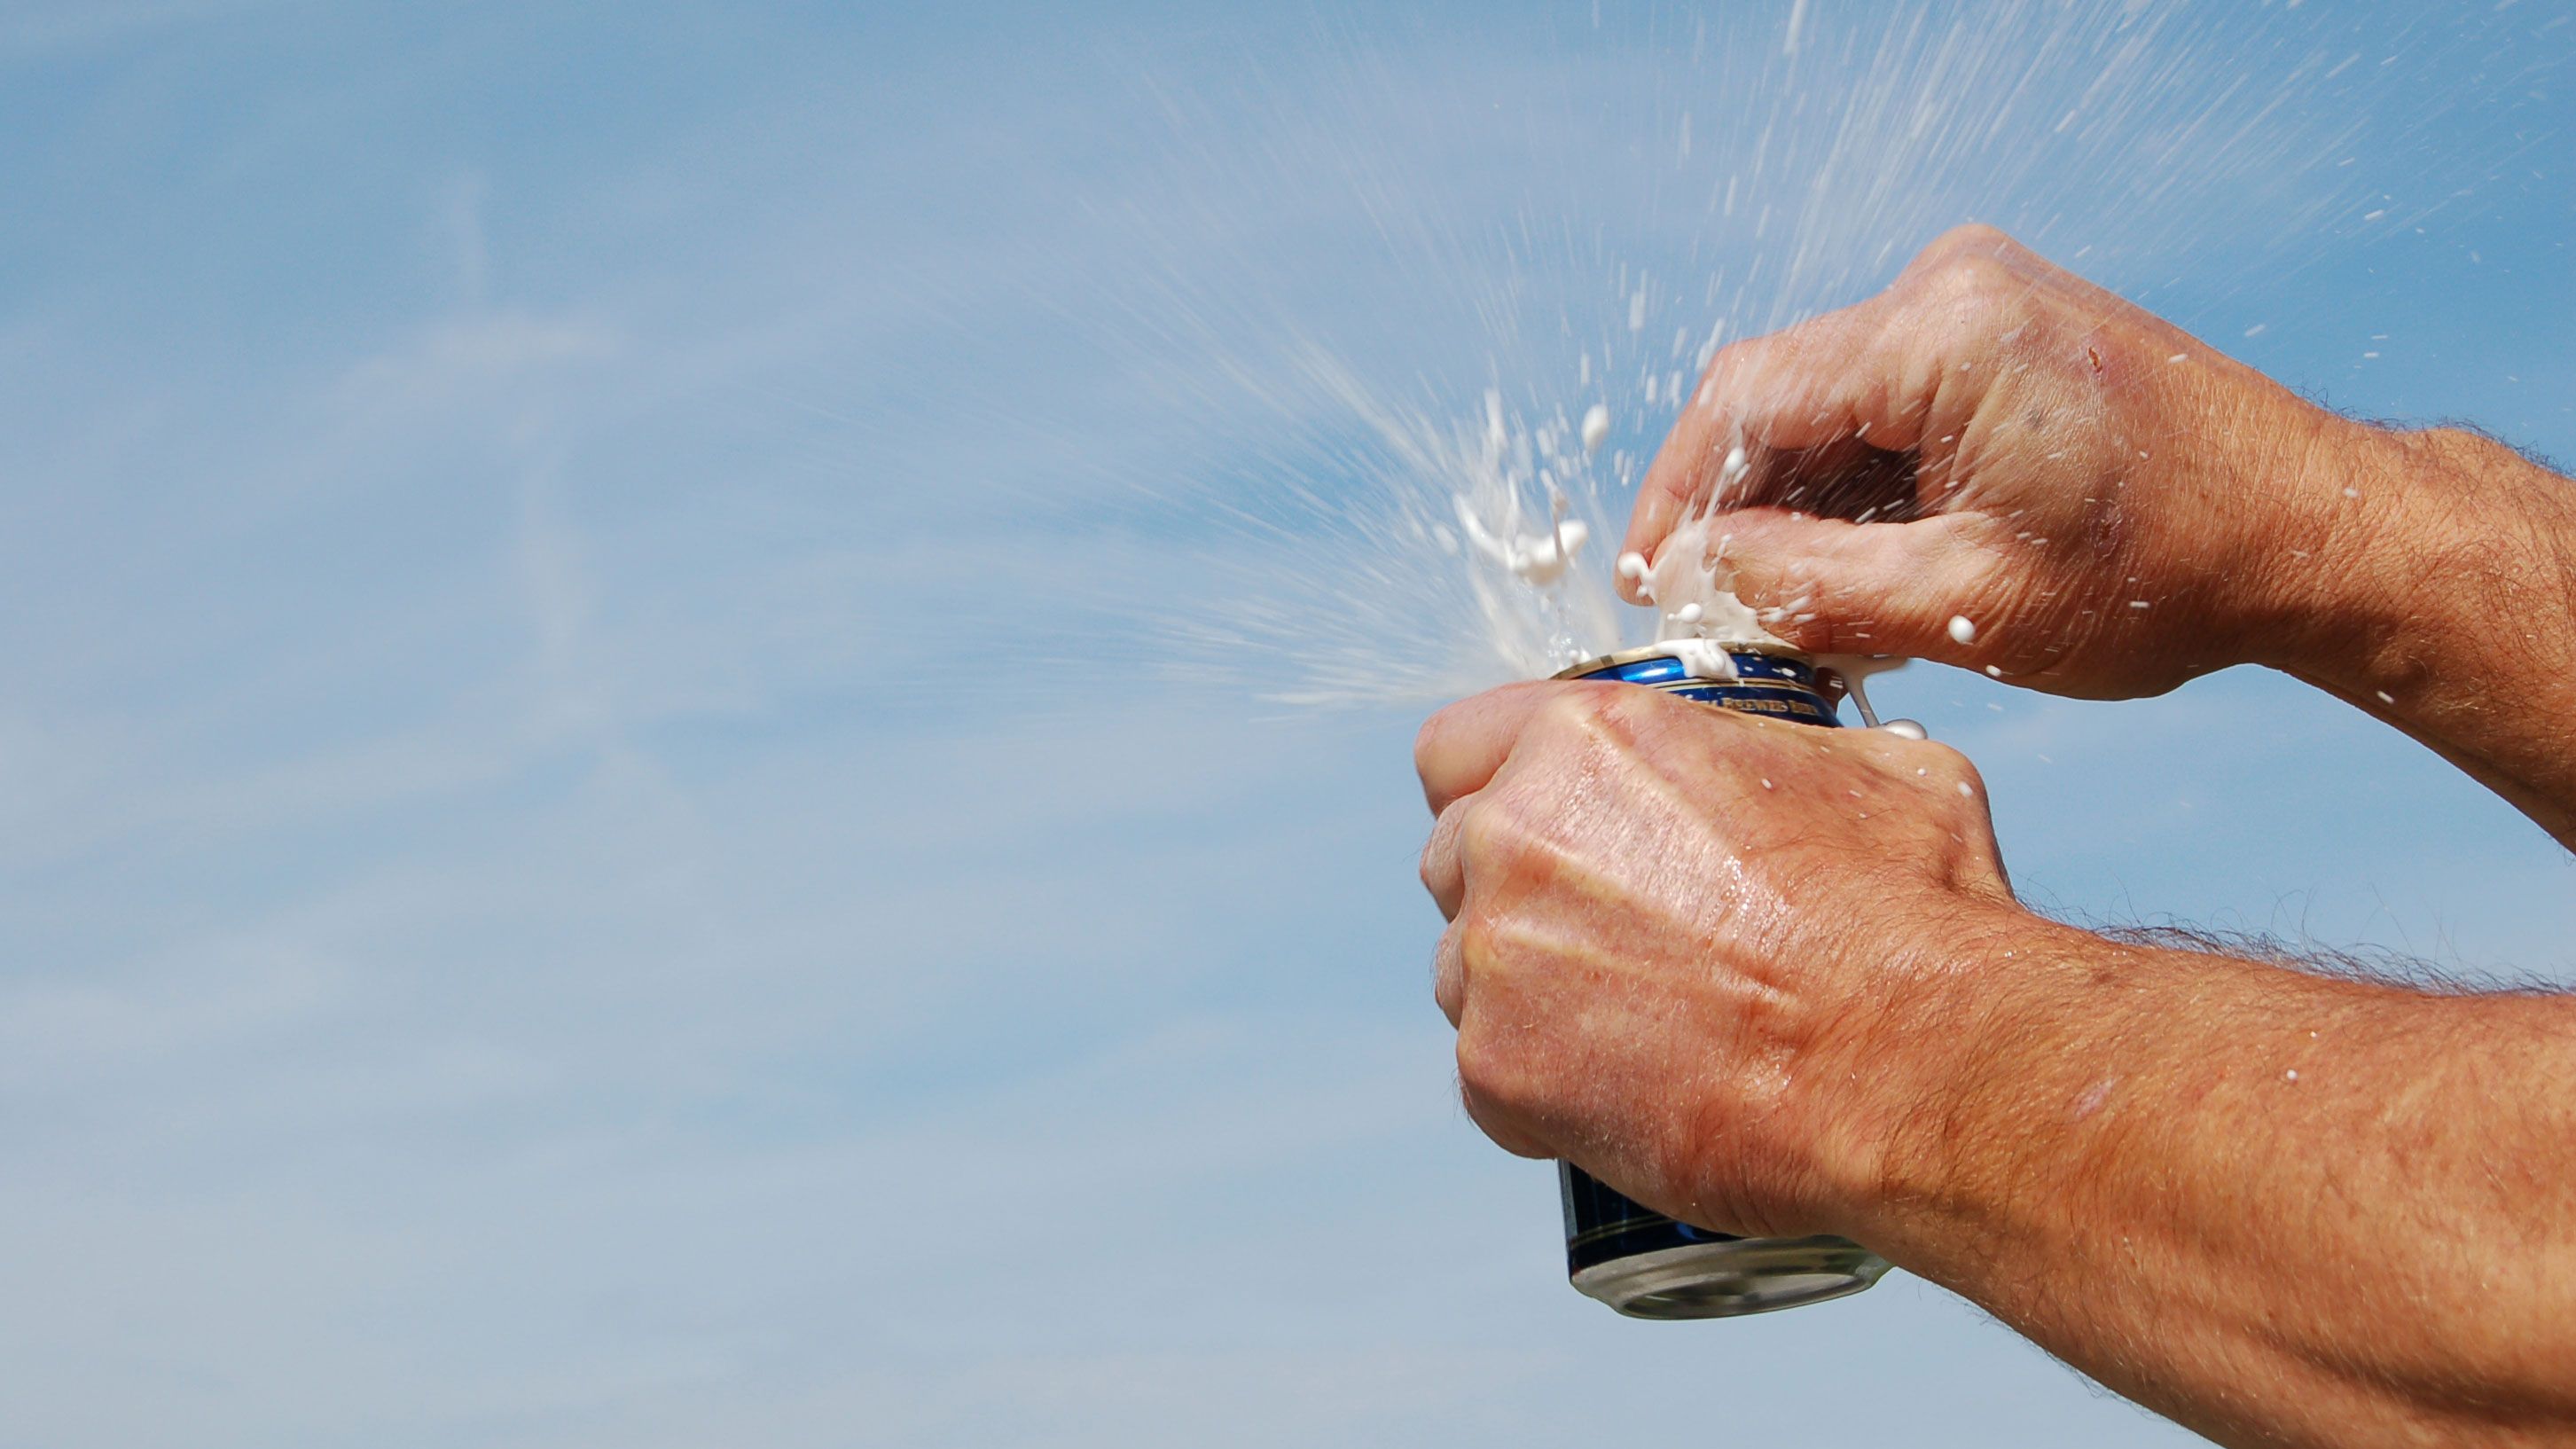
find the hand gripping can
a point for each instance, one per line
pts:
(1636, 1260)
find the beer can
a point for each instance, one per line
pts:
(1638, 1261)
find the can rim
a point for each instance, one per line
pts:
(1665, 650)
(1732, 1277)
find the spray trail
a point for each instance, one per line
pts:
(1551, 256)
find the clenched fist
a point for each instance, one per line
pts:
(1677, 935)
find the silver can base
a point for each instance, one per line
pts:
(1732, 1278)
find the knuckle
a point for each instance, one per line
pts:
(1977, 282)
(1428, 739)
(1969, 268)
(1738, 367)
(1448, 984)
(1482, 1067)
(1946, 767)
(1729, 360)
(1570, 711)
(1968, 239)
(1512, 846)
(1614, 705)
(1476, 940)
(1483, 831)
(1590, 709)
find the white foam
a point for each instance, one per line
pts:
(1689, 575)
(1690, 582)
(1596, 428)
(1537, 559)
(1702, 658)
(1730, 473)
(1520, 500)
(1854, 670)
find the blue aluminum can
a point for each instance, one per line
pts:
(1637, 1260)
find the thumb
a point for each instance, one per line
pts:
(1832, 587)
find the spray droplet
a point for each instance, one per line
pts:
(1596, 428)
(1963, 630)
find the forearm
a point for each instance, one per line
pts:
(2433, 584)
(2278, 1208)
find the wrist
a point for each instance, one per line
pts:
(1959, 1001)
(2326, 576)
(2366, 598)
(2450, 619)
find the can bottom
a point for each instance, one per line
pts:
(1732, 1278)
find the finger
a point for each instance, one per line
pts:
(1845, 377)
(1444, 870)
(1449, 975)
(1832, 587)
(1899, 373)
(1461, 747)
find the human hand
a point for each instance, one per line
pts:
(1684, 943)
(2114, 506)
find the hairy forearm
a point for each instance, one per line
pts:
(2435, 587)
(2279, 1208)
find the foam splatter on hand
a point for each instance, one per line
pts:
(2116, 506)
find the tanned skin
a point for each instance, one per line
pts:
(1774, 981)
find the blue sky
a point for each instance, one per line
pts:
(603, 834)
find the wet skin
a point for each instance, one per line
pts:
(1773, 980)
